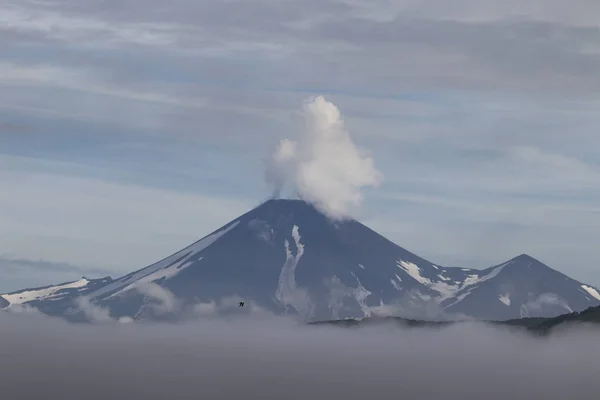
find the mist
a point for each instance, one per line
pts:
(276, 358)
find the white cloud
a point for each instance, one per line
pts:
(322, 163)
(555, 167)
(93, 312)
(163, 301)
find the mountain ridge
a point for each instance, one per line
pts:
(537, 325)
(284, 256)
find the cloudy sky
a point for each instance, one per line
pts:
(129, 129)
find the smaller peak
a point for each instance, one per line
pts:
(525, 260)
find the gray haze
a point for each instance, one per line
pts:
(268, 358)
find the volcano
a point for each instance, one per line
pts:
(285, 257)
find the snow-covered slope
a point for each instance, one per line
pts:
(50, 293)
(285, 257)
(55, 299)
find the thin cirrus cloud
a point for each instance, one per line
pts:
(533, 50)
(77, 80)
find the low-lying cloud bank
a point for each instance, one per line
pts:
(275, 358)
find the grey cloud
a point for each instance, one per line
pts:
(575, 13)
(523, 57)
(248, 59)
(6, 127)
(266, 358)
(341, 48)
(92, 312)
(15, 265)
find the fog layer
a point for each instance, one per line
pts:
(267, 358)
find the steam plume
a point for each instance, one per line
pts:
(322, 164)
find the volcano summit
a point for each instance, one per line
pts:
(286, 257)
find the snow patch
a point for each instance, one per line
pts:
(414, 271)
(395, 284)
(466, 287)
(288, 293)
(361, 266)
(495, 271)
(471, 280)
(593, 292)
(444, 289)
(474, 279)
(49, 293)
(460, 298)
(505, 298)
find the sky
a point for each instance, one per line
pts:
(272, 358)
(130, 129)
